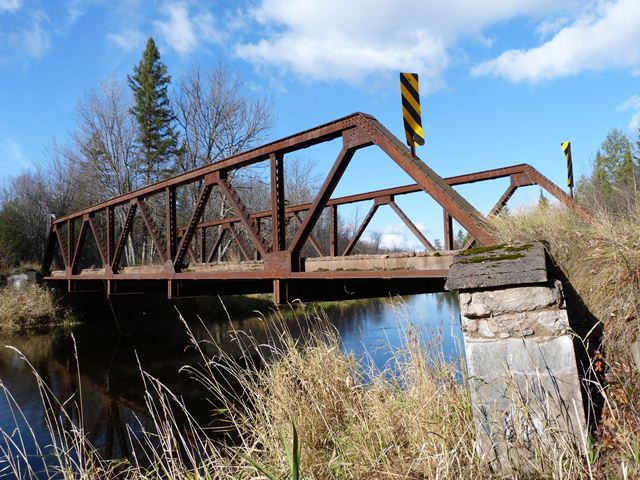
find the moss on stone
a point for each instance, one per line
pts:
(478, 250)
(491, 258)
(493, 248)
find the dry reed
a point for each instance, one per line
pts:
(30, 306)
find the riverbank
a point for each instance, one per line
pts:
(31, 306)
(410, 417)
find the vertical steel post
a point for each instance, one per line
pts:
(257, 255)
(170, 222)
(277, 202)
(111, 234)
(203, 245)
(333, 230)
(71, 242)
(448, 230)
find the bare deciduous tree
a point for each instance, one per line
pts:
(217, 121)
(103, 148)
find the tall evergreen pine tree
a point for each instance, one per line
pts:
(157, 141)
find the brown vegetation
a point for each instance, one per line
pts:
(28, 307)
(410, 420)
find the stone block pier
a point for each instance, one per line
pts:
(520, 352)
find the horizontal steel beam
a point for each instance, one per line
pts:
(492, 174)
(253, 275)
(308, 138)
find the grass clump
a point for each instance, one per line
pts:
(28, 307)
(412, 419)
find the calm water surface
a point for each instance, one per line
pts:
(111, 344)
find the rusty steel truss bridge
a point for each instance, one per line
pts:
(189, 262)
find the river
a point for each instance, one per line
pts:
(114, 341)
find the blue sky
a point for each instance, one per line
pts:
(502, 82)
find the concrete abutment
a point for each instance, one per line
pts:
(524, 360)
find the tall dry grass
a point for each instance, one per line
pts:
(28, 307)
(410, 420)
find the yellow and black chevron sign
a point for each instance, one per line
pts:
(566, 148)
(411, 109)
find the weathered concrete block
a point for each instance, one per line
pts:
(503, 265)
(487, 303)
(541, 323)
(21, 280)
(525, 394)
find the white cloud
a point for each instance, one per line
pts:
(36, 40)
(12, 151)
(551, 26)
(398, 236)
(128, 39)
(28, 38)
(178, 30)
(632, 104)
(10, 5)
(336, 40)
(606, 38)
(206, 28)
(183, 31)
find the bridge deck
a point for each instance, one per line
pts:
(324, 278)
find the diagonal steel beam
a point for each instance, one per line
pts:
(78, 249)
(434, 185)
(97, 236)
(126, 229)
(361, 229)
(536, 177)
(216, 245)
(241, 245)
(198, 210)
(298, 141)
(244, 216)
(329, 185)
(499, 205)
(426, 243)
(192, 254)
(62, 244)
(147, 217)
(503, 199)
(314, 243)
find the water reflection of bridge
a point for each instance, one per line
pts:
(290, 266)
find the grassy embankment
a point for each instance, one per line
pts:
(416, 423)
(602, 261)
